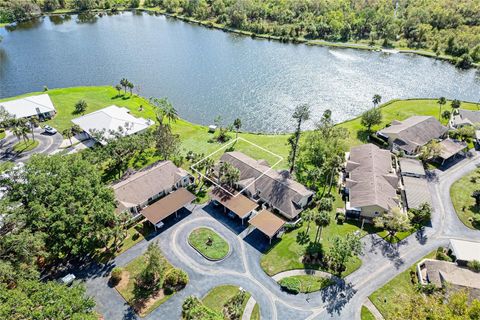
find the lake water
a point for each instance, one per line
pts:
(207, 72)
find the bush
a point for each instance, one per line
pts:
(176, 279)
(116, 275)
(341, 218)
(474, 265)
(443, 256)
(290, 285)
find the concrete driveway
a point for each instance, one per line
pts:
(47, 144)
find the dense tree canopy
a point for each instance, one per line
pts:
(63, 200)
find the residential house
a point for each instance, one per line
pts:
(264, 184)
(40, 106)
(371, 182)
(142, 188)
(465, 118)
(109, 121)
(413, 133)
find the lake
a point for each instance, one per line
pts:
(206, 72)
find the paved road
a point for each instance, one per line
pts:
(47, 144)
(381, 262)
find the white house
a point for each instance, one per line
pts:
(40, 106)
(111, 120)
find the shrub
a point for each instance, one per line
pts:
(176, 279)
(290, 285)
(443, 256)
(116, 275)
(474, 265)
(135, 236)
(341, 218)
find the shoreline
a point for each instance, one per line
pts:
(313, 42)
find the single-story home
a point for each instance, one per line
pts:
(371, 184)
(109, 121)
(465, 118)
(140, 189)
(411, 168)
(40, 106)
(465, 251)
(273, 188)
(413, 133)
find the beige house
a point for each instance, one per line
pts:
(263, 184)
(142, 188)
(413, 133)
(371, 183)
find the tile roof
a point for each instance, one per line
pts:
(466, 117)
(449, 148)
(411, 166)
(371, 177)
(416, 192)
(276, 188)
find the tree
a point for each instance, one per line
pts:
(46, 300)
(130, 87)
(228, 174)
(455, 104)
(80, 106)
(466, 132)
(237, 124)
(71, 132)
(393, 221)
(342, 250)
(301, 114)
(21, 129)
(124, 83)
(321, 220)
(118, 87)
(371, 118)
(476, 196)
(57, 195)
(164, 109)
(153, 275)
(166, 143)
(194, 309)
(33, 123)
(308, 215)
(430, 151)
(422, 213)
(441, 102)
(446, 114)
(377, 99)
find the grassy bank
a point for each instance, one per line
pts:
(461, 194)
(217, 298)
(24, 146)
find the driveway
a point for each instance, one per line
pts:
(381, 262)
(47, 144)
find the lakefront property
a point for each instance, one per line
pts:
(239, 160)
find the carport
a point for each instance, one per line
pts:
(166, 206)
(268, 223)
(238, 203)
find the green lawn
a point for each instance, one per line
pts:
(366, 314)
(127, 288)
(24, 146)
(219, 296)
(306, 283)
(399, 236)
(386, 298)
(464, 203)
(2, 134)
(287, 253)
(400, 110)
(255, 312)
(210, 244)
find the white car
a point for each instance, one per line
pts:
(68, 279)
(50, 130)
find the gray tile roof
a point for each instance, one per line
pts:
(449, 148)
(411, 166)
(466, 117)
(415, 131)
(276, 188)
(371, 177)
(416, 192)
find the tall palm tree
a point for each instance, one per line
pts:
(321, 220)
(301, 114)
(118, 88)
(308, 215)
(130, 87)
(34, 121)
(237, 124)
(68, 133)
(441, 102)
(124, 83)
(376, 100)
(170, 112)
(455, 105)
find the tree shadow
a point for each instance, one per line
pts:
(363, 135)
(388, 250)
(336, 296)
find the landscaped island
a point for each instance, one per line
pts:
(465, 195)
(209, 244)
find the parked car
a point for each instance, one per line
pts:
(68, 279)
(50, 130)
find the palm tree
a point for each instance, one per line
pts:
(130, 87)
(170, 113)
(308, 215)
(118, 88)
(455, 105)
(68, 133)
(208, 165)
(301, 114)
(237, 124)
(441, 102)
(376, 100)
(33, 124)
(124, 83)
(322, 219)
(81, 106)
